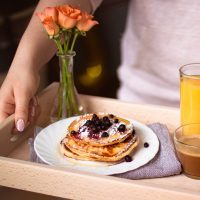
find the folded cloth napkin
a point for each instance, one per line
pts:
(165, 163)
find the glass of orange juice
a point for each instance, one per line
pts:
(190, 94)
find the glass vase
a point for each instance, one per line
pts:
(67, 102)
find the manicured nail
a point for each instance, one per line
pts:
(20, 125)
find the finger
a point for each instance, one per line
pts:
(38, 111)
(35, 101)
(3, 116)
(15, 131)
(34, 112)
(33, 109)
(21, 112)
(6, 109)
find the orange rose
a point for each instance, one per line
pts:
(86, 22)
(51, 27)
(68, 16)
(51, 12)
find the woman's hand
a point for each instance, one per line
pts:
(17, 96)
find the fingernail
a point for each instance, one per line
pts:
(20, 125)
(33, 111)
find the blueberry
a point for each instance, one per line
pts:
(107, 123)
(111, 115)
(103, 127)
(73, 132)
(104, 134)
(98, 122)
(146, 145)
(105, 118)
(122, 128)
(95, 117)
(128, 158)
(88, 123)
(116, 121)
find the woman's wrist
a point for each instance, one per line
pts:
(24, 64)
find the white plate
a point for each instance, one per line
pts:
(47, 143)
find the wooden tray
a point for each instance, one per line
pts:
(17, 172)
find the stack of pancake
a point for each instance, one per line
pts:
(99, 137)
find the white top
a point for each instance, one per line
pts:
(160, 36)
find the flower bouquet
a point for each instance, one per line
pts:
(63, 25)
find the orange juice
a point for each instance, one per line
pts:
(190, 99)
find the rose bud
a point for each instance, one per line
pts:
(51, 27)
(51, 12)
(86, 22)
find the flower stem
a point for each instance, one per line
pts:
(74, 40)
(59, 45)
(75, 106)
(64, 84)
(72, 94)
(64, 42)
(68, 39)
(67, 105)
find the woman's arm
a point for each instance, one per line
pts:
(35, 48)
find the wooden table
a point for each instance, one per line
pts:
(17, 172)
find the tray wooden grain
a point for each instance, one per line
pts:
(17, 172)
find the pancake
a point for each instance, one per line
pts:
(66, 152)
(107, 150)
(99, 129)
(99, 137)
(108, 153)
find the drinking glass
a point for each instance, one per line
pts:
(190, 93)
(187, 144)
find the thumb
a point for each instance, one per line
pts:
(21, 112)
